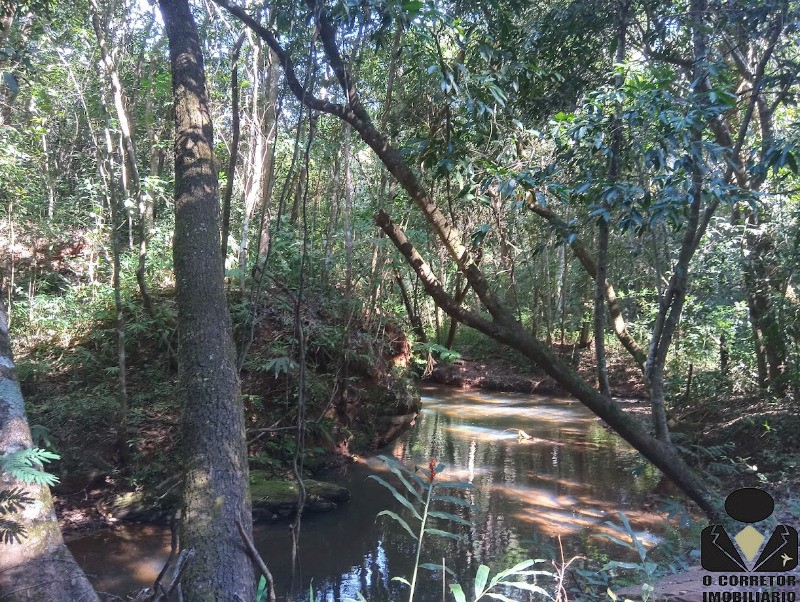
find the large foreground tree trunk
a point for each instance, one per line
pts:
(216, 491)
(34, 562)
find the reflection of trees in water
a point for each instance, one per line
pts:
(371, 579)
(565, 476)
(570, 459)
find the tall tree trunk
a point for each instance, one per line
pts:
(106, 168)
(614, 167)
(257, 156)
(379, 252)
(129, 163)
(348, 209)
(216, 490)
(36, 565)
(599, 309)
(461, 293)
(234, 154)
(413, 316)
(617, 320)
(764, 280)
(272, 111)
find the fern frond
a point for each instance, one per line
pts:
(25, 465)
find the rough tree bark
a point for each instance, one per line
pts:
(216, 491)
(36, 566)
(413, 316)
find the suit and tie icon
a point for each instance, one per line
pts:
(749, 505)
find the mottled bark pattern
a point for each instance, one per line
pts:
(216, 490)
(38, 566)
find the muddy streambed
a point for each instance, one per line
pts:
(567, 476)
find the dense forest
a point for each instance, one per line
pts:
(236, 236)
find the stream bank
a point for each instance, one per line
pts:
(568, 478)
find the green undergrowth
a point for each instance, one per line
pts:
(66, 354)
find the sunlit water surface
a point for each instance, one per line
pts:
(567, 479)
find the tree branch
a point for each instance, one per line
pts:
(615, 311)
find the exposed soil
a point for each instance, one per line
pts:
(503, 374)
(79, 514)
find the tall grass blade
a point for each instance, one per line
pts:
(481, 577)
(446, 534)
(457, 592)
(449, 516)
(393, 466)
(396, 517)
(400, 498)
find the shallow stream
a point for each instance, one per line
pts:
(567, 476)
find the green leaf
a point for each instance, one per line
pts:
(453, 500)
(481, 577)
(25, 465)
(397, 517)
(457, 592)
(411, 489)
(618, 564)
(411, 474)
(437, 567)
(397, 495)
(261, 593)
(446, 534)
(639, 547)
(454, 485)
(402, 580)
(413, 7)
(497, 596)
(617, 540)
(449, 516)
(517, 568)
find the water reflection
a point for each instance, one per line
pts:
(567, 477)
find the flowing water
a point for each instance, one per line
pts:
(566, 477)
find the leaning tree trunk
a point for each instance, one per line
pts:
(216, 489)
(501, 324)
(34, 564)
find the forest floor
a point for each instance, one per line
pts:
(504, 373)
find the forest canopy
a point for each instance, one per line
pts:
(607, 191)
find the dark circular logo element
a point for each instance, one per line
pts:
(749, 505)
